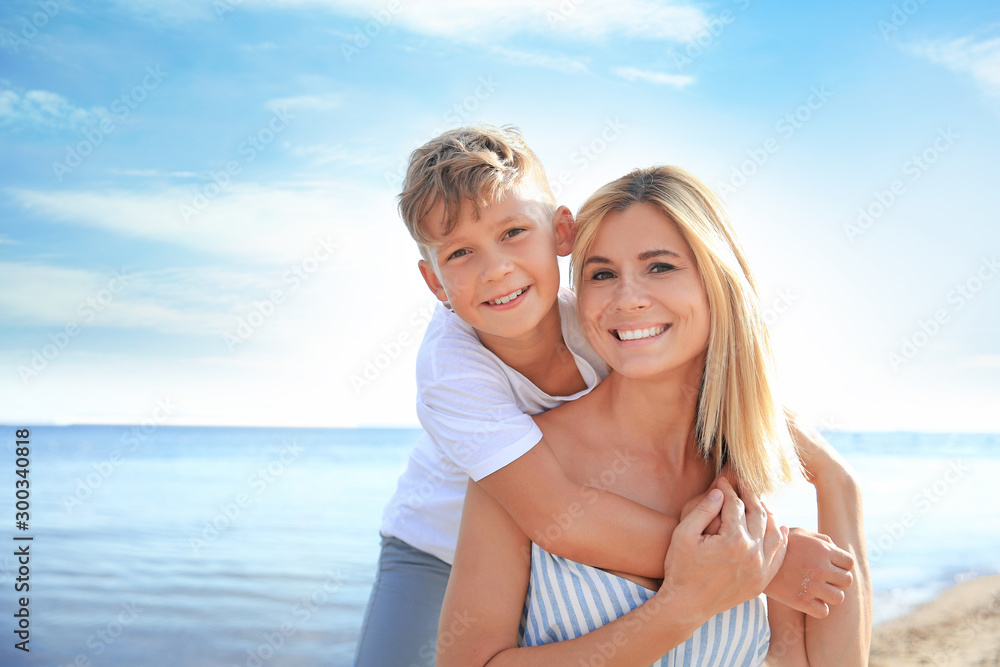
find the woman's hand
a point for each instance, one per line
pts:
(814, 574)
(707, 574)
(716, 524)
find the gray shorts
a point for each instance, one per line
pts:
(401, 622)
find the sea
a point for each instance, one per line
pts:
(160, 545)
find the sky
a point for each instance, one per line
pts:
(197, 203)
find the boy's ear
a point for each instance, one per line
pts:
(432, 280)
(565, 227)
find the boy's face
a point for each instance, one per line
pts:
(499, 272)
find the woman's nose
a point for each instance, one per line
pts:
(631, 295)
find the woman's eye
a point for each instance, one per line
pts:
(603, 274)
(513, 232)
(661, 267)
(458, 253)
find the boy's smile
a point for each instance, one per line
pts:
(499, 271)
(508, 299)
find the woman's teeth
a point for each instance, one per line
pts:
(510, 297)
(636, 334)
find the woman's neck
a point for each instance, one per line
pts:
(658, 414)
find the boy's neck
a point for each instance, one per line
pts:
(541, 355)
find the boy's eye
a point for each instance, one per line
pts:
(458, 253)
(513, 232)
(661, 267)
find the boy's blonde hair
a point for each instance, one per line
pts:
(480, 164)
(739, 418)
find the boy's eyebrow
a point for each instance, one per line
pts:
(512, 218)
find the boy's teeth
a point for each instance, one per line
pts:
(636, 334)
(510, 297)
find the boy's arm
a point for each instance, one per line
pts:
(580, 522)
(472, 413)
(486, 595)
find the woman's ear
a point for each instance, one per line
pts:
(565, 228)
(432, 280)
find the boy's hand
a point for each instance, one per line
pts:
(814, 574)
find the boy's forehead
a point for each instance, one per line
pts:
(514, 205)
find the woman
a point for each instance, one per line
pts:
(667, 299)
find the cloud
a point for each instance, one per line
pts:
(153, 173)
(979, 59)
(262, 46)
(982, 361)
(266, 223)
(191, 301)
(659, 78)
(493, 20)
(488, 21)
(306, 102)
(44, 109)
(326, 153)
(558, 63)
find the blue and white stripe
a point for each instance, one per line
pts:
(567, 599)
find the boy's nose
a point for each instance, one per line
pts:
(496, 267)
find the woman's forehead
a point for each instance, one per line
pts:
(635, 230)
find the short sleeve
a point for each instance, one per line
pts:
(477, 423)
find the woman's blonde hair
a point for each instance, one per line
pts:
(739, 419)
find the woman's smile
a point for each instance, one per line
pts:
(639, 332)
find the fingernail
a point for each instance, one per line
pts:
(715, 495)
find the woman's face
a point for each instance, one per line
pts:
(641, 298)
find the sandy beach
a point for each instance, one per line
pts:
(959, 627)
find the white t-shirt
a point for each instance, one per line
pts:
(476, 413)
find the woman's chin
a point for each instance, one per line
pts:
(663, 370)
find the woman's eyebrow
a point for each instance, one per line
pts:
(595, 259)
(650, 254)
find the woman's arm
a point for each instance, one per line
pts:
(703, 576)
(843, 638)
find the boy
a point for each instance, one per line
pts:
(505, 345)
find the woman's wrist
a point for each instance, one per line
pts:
(674, 612)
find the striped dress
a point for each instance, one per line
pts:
(567, 599)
